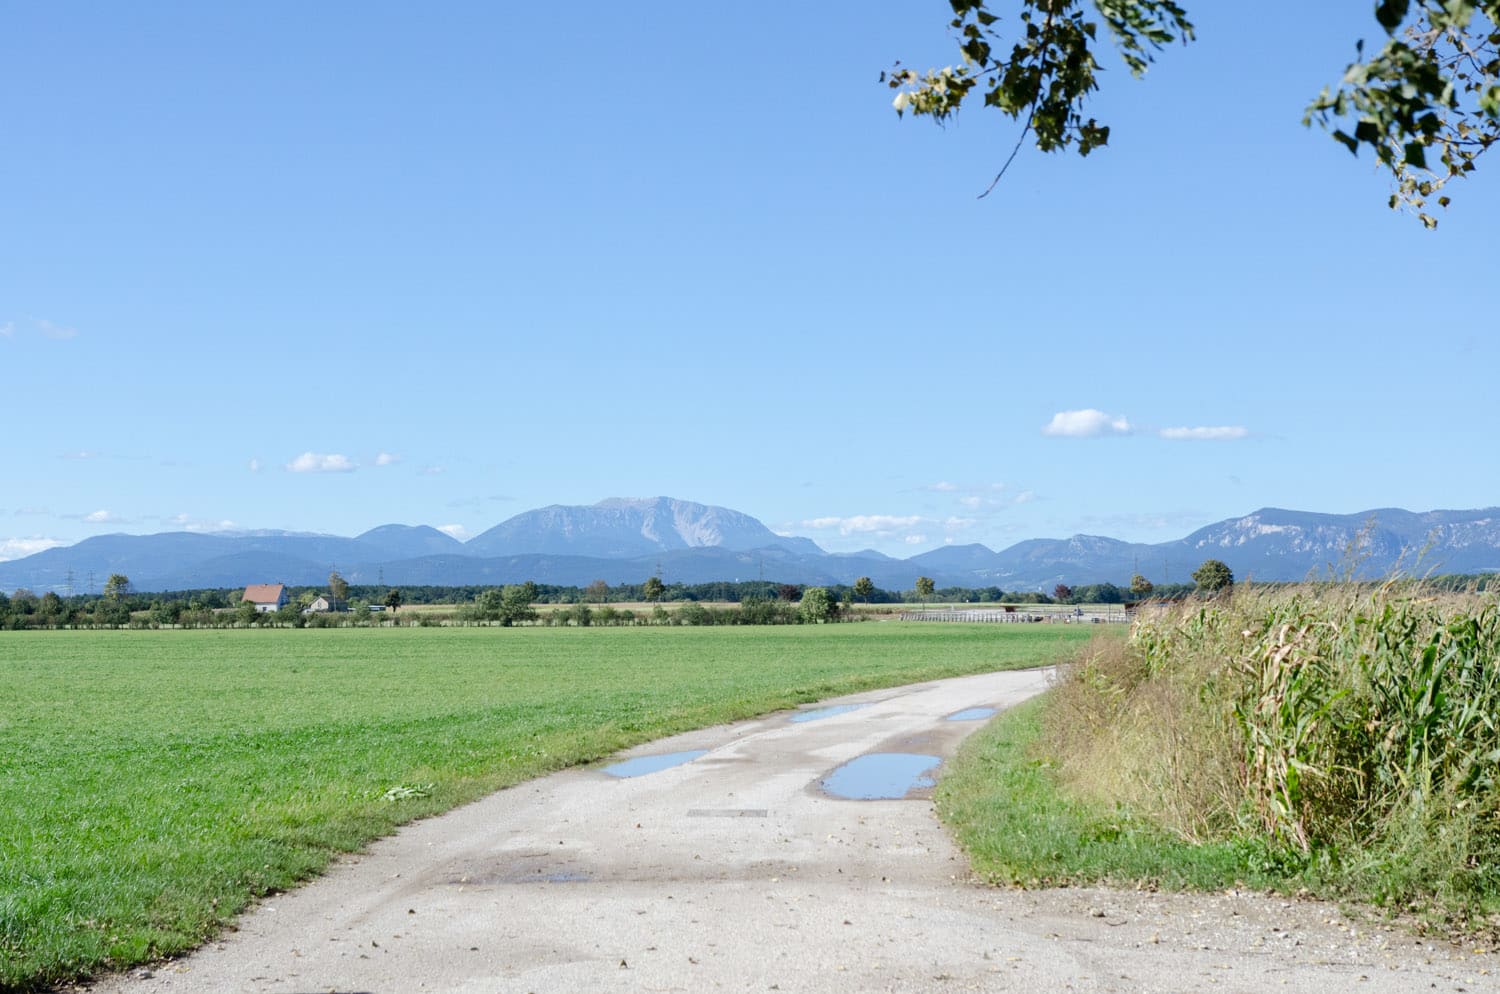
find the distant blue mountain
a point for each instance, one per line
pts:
(402, 541)
(620, 528)
(626, 541)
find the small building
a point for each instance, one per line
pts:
(266, 597)
(323, 604)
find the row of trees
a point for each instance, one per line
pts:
(512, 604)
(1212, 577)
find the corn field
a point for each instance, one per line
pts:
(1355, 725)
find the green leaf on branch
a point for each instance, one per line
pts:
(1390, 14)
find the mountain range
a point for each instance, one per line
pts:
(628, 540)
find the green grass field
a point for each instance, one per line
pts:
(154, 782)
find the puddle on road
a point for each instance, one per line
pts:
(972, 714)
(642, 765)
(827, 712)
(880, 776)
(520, 876)
(567, 877)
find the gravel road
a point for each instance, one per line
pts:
(737, 871)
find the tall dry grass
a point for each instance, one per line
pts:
(1354, 724)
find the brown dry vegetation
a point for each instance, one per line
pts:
(1355, 728)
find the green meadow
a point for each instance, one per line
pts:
(155, 782)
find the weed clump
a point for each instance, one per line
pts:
(1353, 728)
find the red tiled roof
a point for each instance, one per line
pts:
(264, 593)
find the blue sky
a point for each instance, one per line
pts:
(325, 267)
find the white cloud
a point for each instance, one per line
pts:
(1218, 433)
(916, 539)
(989, 498)
(190, 524)
(316, 462)
(864, 524)
(56, 332)
(432, 470)
(386, 459)
(1087, 423)
(81, 454)
(102, 517)
(18, 548)
(254, 465)
(942, 487)
(456, 531)
(958, 524)
(35, 326)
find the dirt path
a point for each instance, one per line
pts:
(735, 871)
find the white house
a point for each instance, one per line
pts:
(266, 597)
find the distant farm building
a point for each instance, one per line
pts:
(323, 604)
(266, 597)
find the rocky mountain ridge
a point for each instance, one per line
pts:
(627, 540)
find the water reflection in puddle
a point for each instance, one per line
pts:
(827, 712)
(642, 765)
(880, 776)
(972, 714)
(567, 877)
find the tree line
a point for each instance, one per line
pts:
(597, 603)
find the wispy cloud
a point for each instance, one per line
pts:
(36, 326)
(915, 540)
(56, 332)
(432, 470)
(254, 465)
(1217, 433)
(387, 459)
(1147, 522)
(865, 524)
(984, 498)
(103, 517)
(317, 462)
(81, 454)
(1087, 423)
(456, 531)
(190, 524)
(480, 502)
(19, 548)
